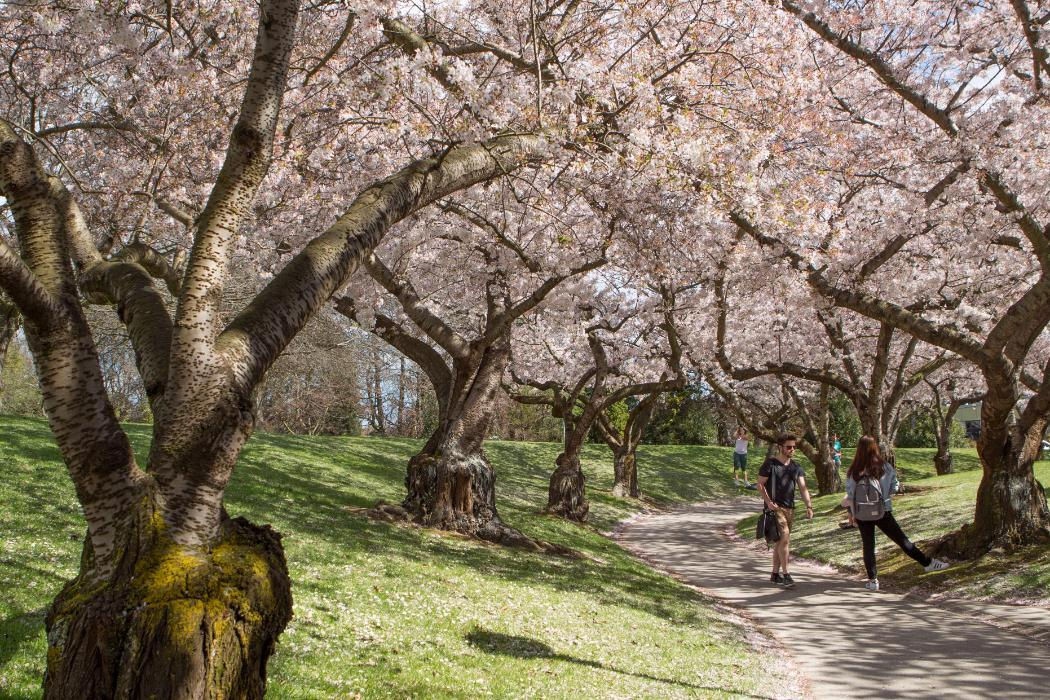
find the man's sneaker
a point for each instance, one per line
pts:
(872, 585)
(936, 565)
(786, 581)
(776, 579)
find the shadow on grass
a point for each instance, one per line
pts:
(305, 488)
(285, 492)
(527, 648)
(17, 629)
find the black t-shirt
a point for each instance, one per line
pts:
(786, 475)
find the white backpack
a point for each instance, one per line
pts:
(868, 503)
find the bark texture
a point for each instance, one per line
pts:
(172, 622)
(625, 446)
(943, 461)
(566, 494)
(625, 474)
(1011, 508)
(452, 491)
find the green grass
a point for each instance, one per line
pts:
(929, 507)
(392, 611)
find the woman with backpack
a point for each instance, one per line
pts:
(870, 484)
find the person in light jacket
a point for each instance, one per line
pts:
(868, 462)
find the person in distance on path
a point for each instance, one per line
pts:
(777, 478)
(740, 457)
(867, 462)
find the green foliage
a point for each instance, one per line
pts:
(918, 430)
(19, 390)
(844, 419)
(617, 415)
(393, 611)
(684, 417)
(531, 422)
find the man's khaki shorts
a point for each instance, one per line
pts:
(785, 519)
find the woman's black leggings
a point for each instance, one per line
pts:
(889, 525)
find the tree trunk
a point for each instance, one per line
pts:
(9, 322)
(828, 478)
(171, 621)
(566, 495)
(450, 483)
(943, 461)
(1011, 508)
(378, 411)
(401, 381)
(625, 473)
(625, 463)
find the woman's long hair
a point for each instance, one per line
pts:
(867, 461)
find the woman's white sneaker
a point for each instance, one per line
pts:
(872, 585)
(936, 565)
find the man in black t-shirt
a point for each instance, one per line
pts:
(777, 478)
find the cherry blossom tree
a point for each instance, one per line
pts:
(515, 244)
(632, 350)
(875, 366)
(153, 153)
(916, 128)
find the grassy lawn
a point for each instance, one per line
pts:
(937, 505)
(388, 611)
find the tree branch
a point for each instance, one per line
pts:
(247, 160)
(259, 333)
(428, 322)
(426, 357)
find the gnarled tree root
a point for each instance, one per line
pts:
(172, 622)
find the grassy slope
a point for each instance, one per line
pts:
(937, 505)
(386, 611)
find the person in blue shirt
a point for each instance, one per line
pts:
(867, 462)
(836, 450)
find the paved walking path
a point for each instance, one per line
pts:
(833, 626)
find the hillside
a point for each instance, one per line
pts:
(389, 611)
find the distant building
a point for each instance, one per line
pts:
(969, 416)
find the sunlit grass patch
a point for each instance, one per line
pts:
(383, 610)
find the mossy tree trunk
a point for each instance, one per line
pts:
(171, 621)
